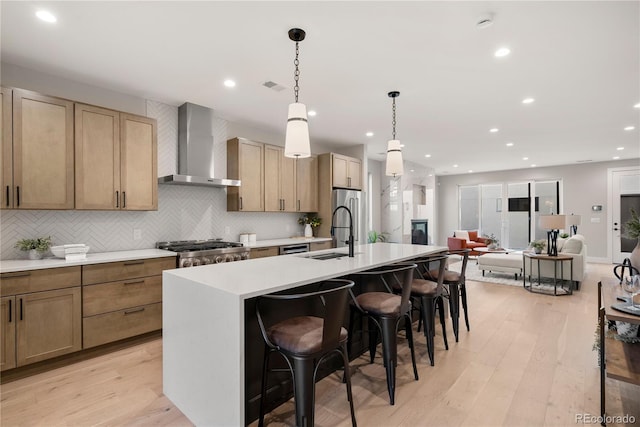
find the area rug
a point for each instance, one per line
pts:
(474, 273)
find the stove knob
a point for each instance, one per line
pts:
(244, 255)
(218, 259)
(228, 258)
(196, 261)
(237, 257)
(206, 261)
(186, 263)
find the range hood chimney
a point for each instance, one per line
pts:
(195, 150)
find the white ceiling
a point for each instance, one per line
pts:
(579, 60)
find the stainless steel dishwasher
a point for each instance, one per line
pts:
(294, 249)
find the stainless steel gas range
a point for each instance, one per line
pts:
(202, 252)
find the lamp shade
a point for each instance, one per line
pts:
(573, 220)
(552, 222)
(394, 158)
(296, 142)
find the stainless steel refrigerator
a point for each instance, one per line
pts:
(352, 200)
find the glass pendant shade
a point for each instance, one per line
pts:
(394, 158)
(296, 142)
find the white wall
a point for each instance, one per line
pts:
(584, 185)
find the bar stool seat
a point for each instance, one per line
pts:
(301, 335)
(423, 287)
(449, 276)
(379, 303)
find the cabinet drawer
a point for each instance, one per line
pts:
(318, 246)
(117, 325)
(106, 297)
(124, 270)
(23, 282)
(264, 252)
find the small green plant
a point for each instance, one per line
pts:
(564, 235)
(374, 236)
(538, 245)
(491, 239)
(632, 227)
(40, 244)
(313, 221)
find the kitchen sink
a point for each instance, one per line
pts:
(330, 255)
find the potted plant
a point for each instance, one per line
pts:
(36, 247)
(491, 240)
(538, 245)
(309, 222)
(374, 236)
(632, 231)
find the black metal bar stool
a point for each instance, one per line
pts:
(455, 281)
(305, 341)
(385, 311)
(431, 295)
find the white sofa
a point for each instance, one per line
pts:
(575, 247)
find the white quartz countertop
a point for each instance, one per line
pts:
(12, 265)
(286, 241)
(260, 276)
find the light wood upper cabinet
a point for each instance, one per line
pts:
(245, 161)
(6, 149)
(7, 333)
(307, 184)
(43, 158)
(347, 172)
(139, 163)
(116, 160)
(279, 180)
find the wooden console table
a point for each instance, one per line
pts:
(618, 360)
(548, 258)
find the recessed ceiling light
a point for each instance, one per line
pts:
(411, 170)
(369, 134)
(616, 157)
(470, 171)
(525, 158)
(455, 166)
(46, 16)
(509, 144)
(430, 174)
(427, 155)
(229, 83)
(528, 100)
(620, 148)
(637, 105)
(630, 128)
(533, 166)
(494, 130)
(312, 113)
(503, 51)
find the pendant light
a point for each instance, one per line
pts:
(394, 151)
(296, 141)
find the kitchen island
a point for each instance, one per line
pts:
(204, 321)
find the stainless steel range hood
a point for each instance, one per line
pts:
(195, 150)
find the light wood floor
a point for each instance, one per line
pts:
(526, 362)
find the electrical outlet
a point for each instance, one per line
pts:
(137, 234)
(227, 231)
(595, 220)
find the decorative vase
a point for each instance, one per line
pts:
(308, 231)
(34, 254)
(537, 250)
(635, 256)
(492, 246)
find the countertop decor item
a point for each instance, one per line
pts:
(73, 251)
(491, 240)
(309, 223)
(537, 246)
(374, 236)
(296, 140)
(35, 247)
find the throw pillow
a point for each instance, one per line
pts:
(461, 234)
(560, 243)
(473, 236)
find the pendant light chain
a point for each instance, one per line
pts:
(393, 122)
(296, 75)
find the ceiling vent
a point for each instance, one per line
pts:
(583, 161)
(274, 86)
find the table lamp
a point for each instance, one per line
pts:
(552, 223)
(573, 221)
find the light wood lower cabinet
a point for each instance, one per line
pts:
(122, 299)
(318, 246)
(41, 315)
(264, 252)
(7, 333)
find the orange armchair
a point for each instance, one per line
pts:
(458, 243)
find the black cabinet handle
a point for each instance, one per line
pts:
(298, 205)
(18, 195)
(23, 274)
(135, 310)
(7, 196)
(21, 311)
(133, 263)
(124, 200)
(137, 282)
(10, 310)
(117, 199)
(240, 203)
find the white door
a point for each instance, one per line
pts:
(624, 194)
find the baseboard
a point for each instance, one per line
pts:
(599, 260)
